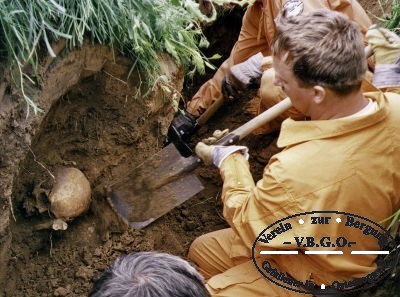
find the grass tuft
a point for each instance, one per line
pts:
(390, 14)
(138, 29)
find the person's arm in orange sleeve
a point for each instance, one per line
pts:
(353, 10)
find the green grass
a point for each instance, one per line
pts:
(394, 223)
(393, 22)
(390, 14)
(139, 29)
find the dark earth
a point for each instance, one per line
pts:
(92, 122)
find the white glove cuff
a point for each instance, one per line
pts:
(220, 153)
(256, 60)
(386, 75)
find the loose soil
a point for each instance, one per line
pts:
(96, 125)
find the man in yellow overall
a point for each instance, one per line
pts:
(344, 157)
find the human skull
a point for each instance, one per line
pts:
(71, 193)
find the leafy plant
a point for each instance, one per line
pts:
(138, 29)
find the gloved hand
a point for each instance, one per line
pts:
(243, 76)
(385, 44)
(182, 127)
(217, 135)
(215, 154)
(386, 47)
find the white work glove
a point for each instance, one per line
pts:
(386, 47)
(242, 77)
(215, 154)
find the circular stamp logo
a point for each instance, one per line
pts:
(327, 247)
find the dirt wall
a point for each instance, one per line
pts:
(30, 151)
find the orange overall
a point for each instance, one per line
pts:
(256, 35)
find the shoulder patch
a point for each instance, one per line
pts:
(293, 7)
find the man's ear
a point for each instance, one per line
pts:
(319, 94)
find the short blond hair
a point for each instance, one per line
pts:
(323, 48)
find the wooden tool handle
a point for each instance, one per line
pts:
(263, 118)
(260, 120)
(210, 111)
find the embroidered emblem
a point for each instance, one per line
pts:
(293, 7)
